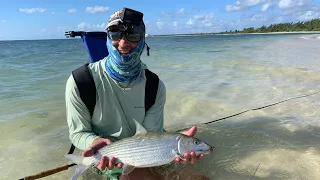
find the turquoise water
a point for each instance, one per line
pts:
(207, 78)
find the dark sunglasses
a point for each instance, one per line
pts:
(117, 35)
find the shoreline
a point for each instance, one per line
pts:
(291, 32)
(210, 34)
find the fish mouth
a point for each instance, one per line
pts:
(209, 151)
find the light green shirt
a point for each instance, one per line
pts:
(115, 108)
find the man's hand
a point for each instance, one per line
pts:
(104, 162)
(190, 157)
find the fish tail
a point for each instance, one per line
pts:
(81, 168)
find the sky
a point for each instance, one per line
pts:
(50, 19)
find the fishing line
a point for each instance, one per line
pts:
(253, 109)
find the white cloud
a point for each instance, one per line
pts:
(202, 19)
(175, 14)
(279, 20)
(283, 4)
(84, 26)
(265, 7)
(286, 4)
(190, 22)
(53, 12)
(73, 10)
(97, 9)
(235, 7)
(244, 4)
(180, 11)
(32, 10)
(43, 30)
(3, 21)
(308, 15)
(259, 17)
(175, 24)
(160, 24)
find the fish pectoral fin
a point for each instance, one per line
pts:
(177, 154)
(127, 169)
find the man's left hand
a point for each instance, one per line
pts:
(189, 157)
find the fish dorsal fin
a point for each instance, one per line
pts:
(140, 130)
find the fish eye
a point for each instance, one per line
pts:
(196, 142)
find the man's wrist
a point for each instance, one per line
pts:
(97, 140)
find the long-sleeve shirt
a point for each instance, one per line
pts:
(115, 108)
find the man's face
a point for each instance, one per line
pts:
(123, 45)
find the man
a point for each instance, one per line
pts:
(120, 81)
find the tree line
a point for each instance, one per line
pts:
(312, 25)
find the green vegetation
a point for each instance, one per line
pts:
(312, 25)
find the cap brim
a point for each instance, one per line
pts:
(113, 23)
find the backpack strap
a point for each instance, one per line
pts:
(87, 90)
(86, 86)
(151, 89)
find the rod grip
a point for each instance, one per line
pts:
(47, 172)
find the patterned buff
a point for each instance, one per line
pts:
(124, 68)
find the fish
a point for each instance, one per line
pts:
(144, 149)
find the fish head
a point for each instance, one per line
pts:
(192, 144)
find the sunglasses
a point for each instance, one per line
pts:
(116, 35)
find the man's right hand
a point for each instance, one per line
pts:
(105, 162)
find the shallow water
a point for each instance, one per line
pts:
(207, 78)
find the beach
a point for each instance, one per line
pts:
(207, 78)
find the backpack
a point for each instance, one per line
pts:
(87, 90)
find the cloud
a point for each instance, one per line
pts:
(32, 10)
(191, 22)
(265, 7)
(3, 21)
(97, 9)
(235, 7)
(84, 26)
(175, 14)
(160, 24)
(308, 15)
(175, 24)
(73, 10)
(244, 4)
(287, 4)
(266, 4)
(201, 20)
(180, 11)
(259, 17)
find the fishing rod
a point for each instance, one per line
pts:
(48, 172)
(254, 109)
(66, 167)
